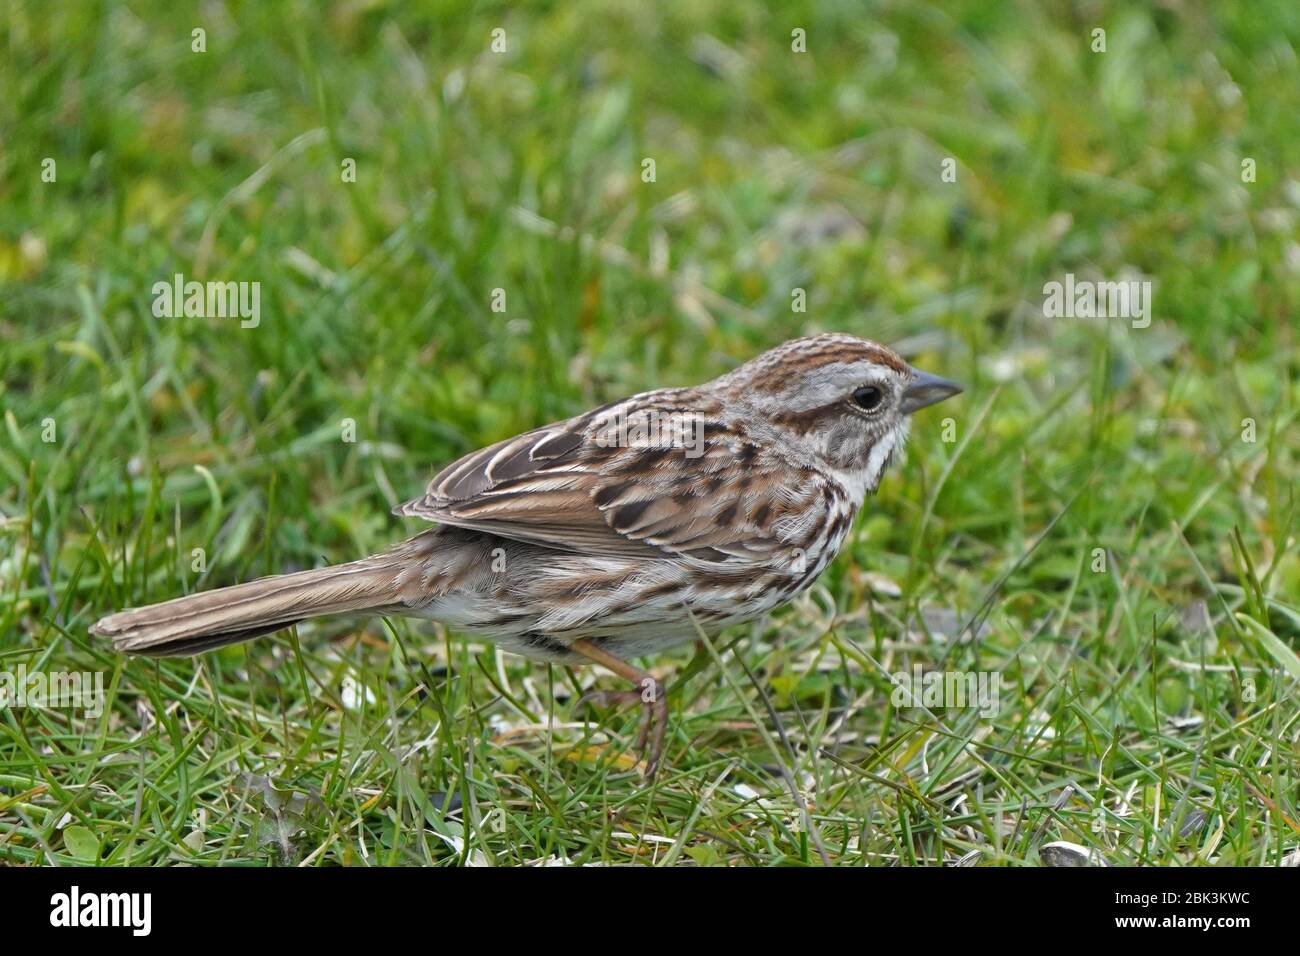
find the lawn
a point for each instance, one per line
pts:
(466, 220)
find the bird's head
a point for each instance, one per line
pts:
(843, 399)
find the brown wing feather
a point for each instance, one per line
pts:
(560, 486)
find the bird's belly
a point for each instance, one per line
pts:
(629, 608)
(535, 601)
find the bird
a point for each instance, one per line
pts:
(617, 533)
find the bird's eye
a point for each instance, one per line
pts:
(868, 397)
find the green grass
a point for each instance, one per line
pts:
(1132, 722)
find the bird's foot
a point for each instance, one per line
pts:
(653, 701)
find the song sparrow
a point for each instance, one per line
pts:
(617, 533)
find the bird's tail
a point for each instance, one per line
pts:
(201, 622)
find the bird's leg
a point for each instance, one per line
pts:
(649, 695)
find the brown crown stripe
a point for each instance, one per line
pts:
(803, 355)
(883, 356)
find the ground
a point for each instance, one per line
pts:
(460, 233)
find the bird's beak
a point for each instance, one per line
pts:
(926, 389)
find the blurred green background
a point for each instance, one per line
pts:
(774, 170)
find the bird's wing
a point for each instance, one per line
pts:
(582, 486)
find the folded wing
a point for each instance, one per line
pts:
(581, 485)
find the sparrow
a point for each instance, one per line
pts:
(617, 533)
